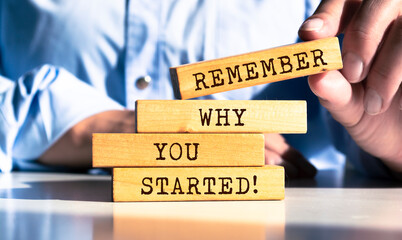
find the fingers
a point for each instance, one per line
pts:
(307, 170)
(385, 76)
(364, 34)
(336, 94)
(273, 158)
(371, 48)
(329, 19)
(278, 152)
(365, 24)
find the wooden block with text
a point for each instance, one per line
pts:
(218, 116)
(175, 150)
(276, 64)
(198, 184)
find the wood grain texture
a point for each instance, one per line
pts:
(175, 150)
(209, 116)
(198, 184)
(276, 64)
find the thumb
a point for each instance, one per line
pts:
(330, 19)
(343, 100)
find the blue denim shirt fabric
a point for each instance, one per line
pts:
(63, 61)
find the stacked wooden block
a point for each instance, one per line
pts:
(211, 149)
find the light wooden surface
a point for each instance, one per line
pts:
(53, 206)
(235, 220)
(198, 184)
(164, 150)
(214, 116)
(276, 64)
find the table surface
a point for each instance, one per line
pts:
(334, 205)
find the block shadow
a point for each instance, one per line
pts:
(342, 179)
(73, 190)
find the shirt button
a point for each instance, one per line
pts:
(143, 82)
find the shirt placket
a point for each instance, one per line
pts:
(141, 63)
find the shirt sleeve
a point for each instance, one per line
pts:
(38, 108)
(311, 6)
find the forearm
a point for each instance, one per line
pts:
(48, 108)
(74, 148)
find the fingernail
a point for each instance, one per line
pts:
(352, 67)
(372, 102)
(313, 24)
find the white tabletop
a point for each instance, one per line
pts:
(73, 206)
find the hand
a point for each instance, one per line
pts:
(366, 95)
(278, 152)
(74, 148)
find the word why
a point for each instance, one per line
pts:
(206, 117)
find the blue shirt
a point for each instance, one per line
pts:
(63, 61)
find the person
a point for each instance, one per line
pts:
(71, 68)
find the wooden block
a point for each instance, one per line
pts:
(170, 150)
(221, 116)
(198, 184)
(276, 64)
